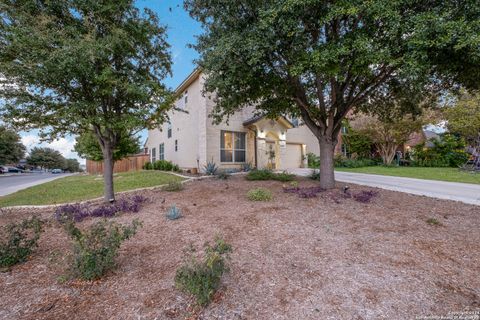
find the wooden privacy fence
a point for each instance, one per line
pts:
(131, 163)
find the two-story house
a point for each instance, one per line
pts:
(190, 140)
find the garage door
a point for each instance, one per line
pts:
(293, 157)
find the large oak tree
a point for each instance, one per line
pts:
(83, 66)
(320, 59)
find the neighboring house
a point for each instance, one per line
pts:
(190, 140)
(423, 136)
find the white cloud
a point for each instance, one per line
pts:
(30, 141)
(63, 145)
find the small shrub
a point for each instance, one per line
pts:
(173, 213)
(176, 168)
(148, 166)
(78, 212)
(163, 165)
(173, 186)
(284, 177)
(19, 240)
(223, 175)
(433, 222)
(201, 277)
(210, 168)
(259, 174)
(259, 194)
(246, 167)
(313, 160)
(95, 249)
(365, 196)
(315, 175)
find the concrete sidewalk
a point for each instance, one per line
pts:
(464, 192)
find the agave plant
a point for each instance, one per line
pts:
(247, 167)
(211, 168)
(173, 213)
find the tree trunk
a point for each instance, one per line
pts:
(108, 163)
(387, 152)
(327, 175)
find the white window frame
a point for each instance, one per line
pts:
(234, 149)
(154, 155)
(169, 130)
(161, 151)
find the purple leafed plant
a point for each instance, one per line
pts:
(365, 196)
(76, 212)
(79, 212)
(308, 192)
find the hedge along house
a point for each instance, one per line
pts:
(190, 140)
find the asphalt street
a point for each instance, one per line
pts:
(12, 183)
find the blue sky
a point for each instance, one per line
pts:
(181, 30)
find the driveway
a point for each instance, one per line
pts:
(13, 183)
(464, 192)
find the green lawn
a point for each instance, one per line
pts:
(442, 174)
(76, 188)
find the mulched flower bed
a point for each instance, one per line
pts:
(329, 256)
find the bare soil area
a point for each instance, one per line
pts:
(321, 258)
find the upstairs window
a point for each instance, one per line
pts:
(161, 151)
(185, 98)
(169, 129)
(176, 145)
(295, 122)
(232, 146)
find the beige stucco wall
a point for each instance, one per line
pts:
(302, 134)
(188, 128)
(199, 139)
(235, 123)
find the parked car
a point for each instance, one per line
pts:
(54, 171)
(14, 170)
(3, 169)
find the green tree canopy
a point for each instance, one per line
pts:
(321, 59)
(464, 116)
(46, 158)
(87, 146)
(387, 134)
(358, 144)
(11, 147)
(71, 165)
(76, 66)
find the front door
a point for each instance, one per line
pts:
(271, 155)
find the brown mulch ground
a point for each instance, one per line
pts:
(320, 258)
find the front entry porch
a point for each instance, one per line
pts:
(271, 147)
